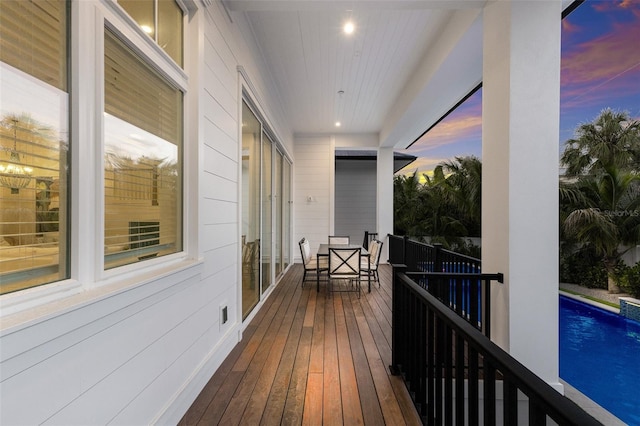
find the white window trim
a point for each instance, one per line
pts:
(88, 279)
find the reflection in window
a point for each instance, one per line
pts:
(143, 177)
(34, 119)
(250, 210)
(162, 20)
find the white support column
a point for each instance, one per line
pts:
(520, 133)
(384, 176)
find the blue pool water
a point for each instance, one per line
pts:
(600, 356)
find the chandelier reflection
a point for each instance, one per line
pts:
(12, 173)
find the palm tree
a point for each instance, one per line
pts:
(464, 183)
(600, 194)
(407, 204)
(443, 223)
(446, 207)
(612, 139)
(606, 215)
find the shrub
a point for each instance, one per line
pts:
(630, 282)
(582, 267)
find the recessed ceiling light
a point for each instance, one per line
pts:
(338, 124)
(348, 27)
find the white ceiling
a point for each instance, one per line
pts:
(382, 68)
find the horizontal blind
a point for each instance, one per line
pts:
(33, 216)
(137, 94)
(142, 189)
(33, 38)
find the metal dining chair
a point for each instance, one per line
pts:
(310, 262)
(369, 264)
(338, 239)
(344, 265)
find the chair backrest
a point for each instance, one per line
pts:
(344, 262)
(338, 239)
(305, 250)
(375, 249)
(368, 238)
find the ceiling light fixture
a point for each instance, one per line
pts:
(349, 27)
(338, 124)
(13, 174)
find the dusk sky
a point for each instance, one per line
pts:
(600, 69)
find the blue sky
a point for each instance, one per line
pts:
(600, 69)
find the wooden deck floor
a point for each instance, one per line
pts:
(309, 359)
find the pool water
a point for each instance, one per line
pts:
(600, 356)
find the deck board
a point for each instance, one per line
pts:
(310, 359)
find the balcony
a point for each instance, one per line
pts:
(306, 358)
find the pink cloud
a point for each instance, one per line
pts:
(603, 66)
(604, 57)
(606, 6)
(452, 129)
(569, 27)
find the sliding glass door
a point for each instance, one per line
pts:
(266, 210)
(267, 215)
(251, 149)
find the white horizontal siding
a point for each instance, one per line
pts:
(312, 178)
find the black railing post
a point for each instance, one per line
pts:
(405, 243)
(437, 259)
(397, 332)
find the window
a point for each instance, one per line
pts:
(143, 149)
(161, 20)
(34, 139)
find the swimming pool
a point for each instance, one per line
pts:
(600, 356)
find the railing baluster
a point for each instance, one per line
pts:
(448, 374)
(510, 398)
(489, 390)
(472, 386)
(473, 304)
(439, 366)
(430, 365)
(460, 373)
(421, 352)
(537, 417)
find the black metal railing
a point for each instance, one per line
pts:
(422, 257)
(453, 278)
(456, 375)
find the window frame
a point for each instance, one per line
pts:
(86, 164)
(148, 51)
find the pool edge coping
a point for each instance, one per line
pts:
(596, 410)
(588, 301)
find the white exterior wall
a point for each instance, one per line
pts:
(313, 181)
(385, 199)
(138, 348)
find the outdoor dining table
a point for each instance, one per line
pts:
(323, 251)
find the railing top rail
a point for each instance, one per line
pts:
(462, 256)
(421, 243)
(499, 277)
(558, 407)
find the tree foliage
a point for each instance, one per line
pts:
(600, 193)
(445, 207)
